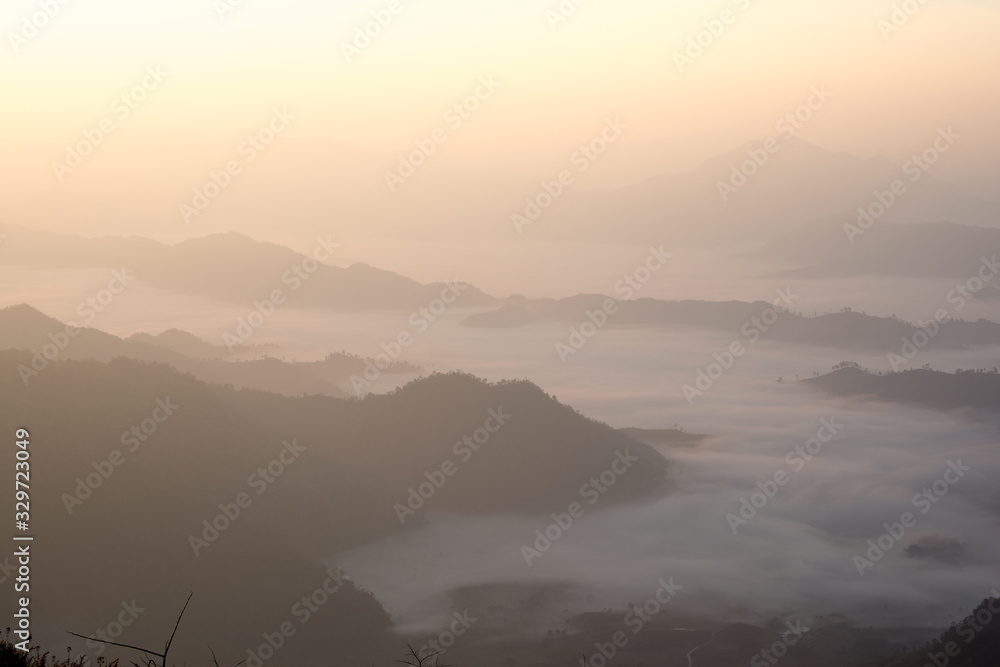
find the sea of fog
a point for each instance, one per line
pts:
(795, 557)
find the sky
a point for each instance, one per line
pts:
(227, 64)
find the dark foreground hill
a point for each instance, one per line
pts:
(147, 484)
(972, 642)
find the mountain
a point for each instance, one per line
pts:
(24, 328)
(845, 330)
(182, 342)
(236, 269)
(972, 642)
(664, 437)
(142, 469)
(797, 184)
(934, 389)
(672, 638)
(801, 183)
(930, 250)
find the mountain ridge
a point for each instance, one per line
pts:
(252, 269)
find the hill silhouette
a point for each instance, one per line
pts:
(845, 330)
(934, 389)
(182, 342)
(232, 267)
(24, 328)
(936, 250)
(136, 519)
(972, 642)
(801, 182)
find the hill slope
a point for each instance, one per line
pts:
(801, 182)
(135, 468)
(932, 250)
(24, 328)
(934, 389)
(233, 268)
(972, 642)
(845, 330)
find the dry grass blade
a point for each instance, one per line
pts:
(149, 652)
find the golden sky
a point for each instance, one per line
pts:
(227, 67)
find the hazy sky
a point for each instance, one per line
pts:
(557, 85)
